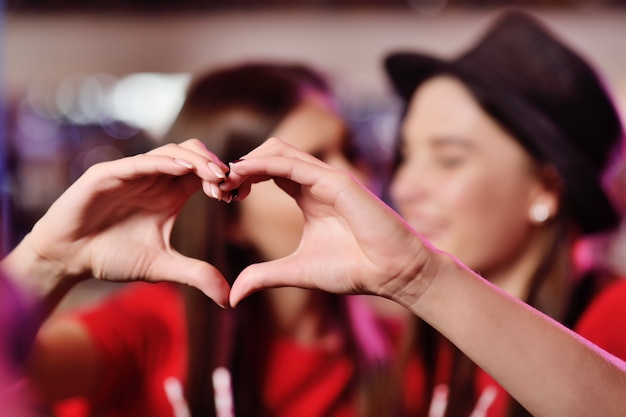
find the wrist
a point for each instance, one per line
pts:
(430, 271)
(442, 294)
(414, 277)
(45, 280)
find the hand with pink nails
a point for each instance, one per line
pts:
(352, 243)
(114, 224)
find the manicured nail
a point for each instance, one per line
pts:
(231, 163)
(184, 163)
(216, 170)
(215, 191)
(234, 193)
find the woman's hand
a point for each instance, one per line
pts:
(114, 224)
(352, 243)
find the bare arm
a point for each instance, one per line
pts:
(113, 224)
(548, 368)
(366, 248)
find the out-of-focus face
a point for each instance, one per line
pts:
(463, 182)
(269, 219)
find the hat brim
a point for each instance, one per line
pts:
(408, 70)
(542, 138)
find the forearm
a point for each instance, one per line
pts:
(35, 287)
(44, 281)
(547, 368)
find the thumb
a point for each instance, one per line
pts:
(263, 275)
(202, 275)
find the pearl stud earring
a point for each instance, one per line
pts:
(539, 213)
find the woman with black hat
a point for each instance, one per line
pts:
(500, 163)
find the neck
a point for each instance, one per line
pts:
(515, 275)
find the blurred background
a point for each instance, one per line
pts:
(91, 80)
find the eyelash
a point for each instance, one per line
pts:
(450, 161)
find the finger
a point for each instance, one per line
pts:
(107, 175)
(194, 272)
(193, 153)
(271, 147)
(323, 179)
(169, 160)
(277, 147)
(261, 276)
(199, 147)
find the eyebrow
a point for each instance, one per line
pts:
(445, 140)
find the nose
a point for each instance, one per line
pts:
(408, 183)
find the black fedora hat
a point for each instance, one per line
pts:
(546, 95)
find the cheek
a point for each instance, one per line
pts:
(466, 197)
(487, 219)
(271, 221)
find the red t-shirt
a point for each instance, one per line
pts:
(604, 321)
(141, 336)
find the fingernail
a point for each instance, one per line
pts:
(231, 163)
(216, 170)
(227, 198)
(184, 163)
(215, 191)
(234, 193)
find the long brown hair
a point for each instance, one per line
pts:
(233, 110)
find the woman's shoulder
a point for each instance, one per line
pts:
(147, 293)
(603, 322)
(138, 306)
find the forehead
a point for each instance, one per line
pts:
(443, 103)
(314, 122)
(444, 108)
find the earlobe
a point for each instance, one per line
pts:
(539, 213)
(546, 202)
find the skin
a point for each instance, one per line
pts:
(369, 249)
(64, 361)
(468, 187)
(271, 221)
(90, 232)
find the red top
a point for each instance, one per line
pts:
(141, 335)
(604, 322)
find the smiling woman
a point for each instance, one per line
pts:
(464, 177)
(501, 163)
